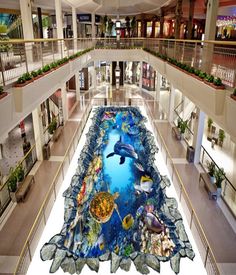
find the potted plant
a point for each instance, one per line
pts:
(219, 176)
(52, 126)
(2, 93)
(23, 80)
(46, 69)
(233, 95)
(221, 137)
(211, 168)
(20, 173)
(218, 83)
(183, 126)
(209, 124)
(12, 184)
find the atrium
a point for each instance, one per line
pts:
(117, 136)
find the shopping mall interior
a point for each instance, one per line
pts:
(117, 137)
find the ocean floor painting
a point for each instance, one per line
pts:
(116, 207)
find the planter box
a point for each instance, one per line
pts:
(158, 64)
(2, 95)
(176, 76)
(6, 112)
(207, 97)
(231, 114)
(27, 98)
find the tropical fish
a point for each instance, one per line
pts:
(149, 208)
(139, 211)
(128, 222)
(145, 184)
(81, 194)
(153, 223)
(123, 150)
(100, 242)
(108, 116)
(139, 166)
(116, 249)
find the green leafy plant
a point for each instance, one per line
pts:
(52, 126)
(21, 80)
(1, 89)
(34, 73)
(211, 167)
(46, 68)
(183, 126)
(234, 92)
(209, 78)
(202, 75)
(209, 123)
(217, 82)
(20, 173)
(219, 176)
(27, 76)
(39, 72)
(12, 181)
(197, 72)
(221, 136)
(53, 65)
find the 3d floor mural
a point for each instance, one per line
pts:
(116, 207)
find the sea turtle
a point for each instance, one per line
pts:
(123, 150)
(102, 206)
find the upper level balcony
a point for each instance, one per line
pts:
(215, 58)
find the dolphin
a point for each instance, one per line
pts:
(123, 150)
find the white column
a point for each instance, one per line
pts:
(209, 34)
(141, 75)
(94, 77)
(38, 132)
(27, 24)
(93, 26)
(77, 86)
(64, 102)
(171, 104)
(26, 17)
(74, 26)
(234, 168)
(211, 17)
(59, 19)
(198, 134)
(158, 86)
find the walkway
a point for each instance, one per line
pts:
(217, 229)
(17, 227)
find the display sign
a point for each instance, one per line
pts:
(87, 17)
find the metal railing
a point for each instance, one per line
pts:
(228, 192)
(215, 57)
(27, 162)
(45, 209)
(203, 245)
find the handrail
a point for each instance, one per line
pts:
(216, 42)
(205, 151)
(46, 197)
(188, 199)
(41, 211)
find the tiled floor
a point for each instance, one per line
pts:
(217, 229)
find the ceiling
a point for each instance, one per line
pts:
(120, 7)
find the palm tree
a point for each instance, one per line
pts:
(133, 26)
(127, 19)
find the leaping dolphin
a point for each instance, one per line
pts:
(123, 150)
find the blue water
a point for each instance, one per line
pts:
(120, 175)
(114, 177)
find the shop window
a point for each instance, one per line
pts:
(139, 28)
(149, 28)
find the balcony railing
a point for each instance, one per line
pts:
(20, 56)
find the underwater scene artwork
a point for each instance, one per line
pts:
(116, 207)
